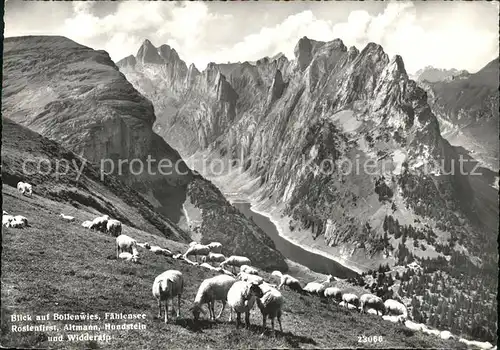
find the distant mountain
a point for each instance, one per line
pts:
(284, 121)
(432, 75)
(77, 97)
(468, 112)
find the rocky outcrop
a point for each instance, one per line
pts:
(433, 75)
(337, 105)
(77, 97)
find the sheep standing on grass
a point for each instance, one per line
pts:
(241, 298)
(14, 221)
(67, 217)
(350, 298)
(289, 281)
(100, 223)
(213, 257)
(125, 243)
(333, 293)
(395, 308)
(25, 188)
(166, 286)
(114, 227)
(270, 305)
(197, 249)
(235, 260)
(370, 301)
(210, 290)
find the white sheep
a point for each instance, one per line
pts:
(210, 290)
(394, 307)
(128, 257)
(213, 257)
(481, 345)
(114, 227)
(125, 243)
(6, 219)
(25, 188)
(270, 305)
(197, 249)
(100, 223)
(215, 247)
(393, 319)
(87, 223)
(144, 245)
(208, 266)
(347, 305)
(415, 326)
(446, 335)
(372, 311)
(67, 217)
(350, 298)
(166, 286)
(289, 281)
(235, 260)
(370, 301)
(243, 276)
(160, 251)
(318, 287)
(241, 298)
(333, 293)
(248, 269)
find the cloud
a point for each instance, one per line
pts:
(445, 35)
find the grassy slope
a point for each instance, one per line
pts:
(54, 266)
(108, 196)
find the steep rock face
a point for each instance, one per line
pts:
(338, 106)
(76, 96)
(467, 108)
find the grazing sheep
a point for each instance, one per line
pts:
(213, 257)
(347, 305)
(166, 286)
(396, 308)
(144, 245)
(208, 266)
(446, 335)
(318, 287)
(350, 298)
(270, 305)
(128, 257)
(371, 301)
(248, 269)
(241, 298)
(415, 326)
(67, 218)
(25, 188)
(160, 251)
(235, 260)
(100, 223)
(114, 227)
(215, 247)
(6, 219)
(333, 293)
(210, 290)
(250, 278)
(289, 281)
(87, 223)
(125, 243)
(197, 249)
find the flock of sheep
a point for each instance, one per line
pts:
(242, 291)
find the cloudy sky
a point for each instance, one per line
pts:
(462, 35)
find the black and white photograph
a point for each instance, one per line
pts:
(250, 174)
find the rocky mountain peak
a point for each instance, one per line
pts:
(303, 52)
(128, 61)
(167, 53)
(148, 53)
